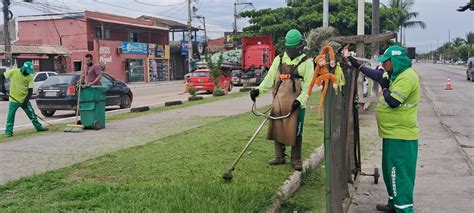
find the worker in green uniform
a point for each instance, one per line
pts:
(398, 125)
(288, 77)
(21, 89)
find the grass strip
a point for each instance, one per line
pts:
(115, 117)
(179, 173)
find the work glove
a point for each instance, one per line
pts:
(296, 104)
(253, 94)
(384, 83)
(354, 62)
(4, 90)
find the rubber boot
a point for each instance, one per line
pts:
(296, 154)
(384, 208)
(279, 154)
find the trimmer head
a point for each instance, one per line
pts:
(227, 176)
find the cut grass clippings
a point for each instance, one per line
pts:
(180, 173)
(115, 117)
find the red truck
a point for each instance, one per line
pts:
(258, 53)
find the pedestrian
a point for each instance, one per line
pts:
(397, 125)
(21, 89)
(288, 77)
(92, 72)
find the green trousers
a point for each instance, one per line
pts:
(300, 122)
(12, 108)
(399, 171)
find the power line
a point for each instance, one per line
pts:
(159, 5)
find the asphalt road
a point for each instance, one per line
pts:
(144, 94)
(454, 107)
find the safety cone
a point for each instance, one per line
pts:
(186, 88)
(449, 86)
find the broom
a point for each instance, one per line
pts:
(76, 127)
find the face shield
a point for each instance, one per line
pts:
(294, 51)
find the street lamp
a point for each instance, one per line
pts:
(204, 24)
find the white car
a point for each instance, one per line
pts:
(40, 77)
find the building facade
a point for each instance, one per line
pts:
(129, 49)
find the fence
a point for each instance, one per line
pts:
(341, 142)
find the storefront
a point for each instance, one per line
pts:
(159, 63)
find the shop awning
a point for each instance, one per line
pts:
(37, 49)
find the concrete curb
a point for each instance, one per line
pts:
(294, 181)
(140, 109)
(172, 103)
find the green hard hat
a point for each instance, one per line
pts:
(293, 38)
(393, 51)
(28, 66)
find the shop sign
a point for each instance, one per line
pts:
(134, 48)
(105, 56)
(184, 48)
(160, 51)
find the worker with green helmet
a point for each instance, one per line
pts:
(397, 124)
(288, 78)
(21, 89)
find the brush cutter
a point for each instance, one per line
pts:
(76, 127)
(227, 176)
(52, 126)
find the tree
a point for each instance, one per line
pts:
(307, 15)
(470, 42)
(215, 68)
(457, 42)
(404, 17)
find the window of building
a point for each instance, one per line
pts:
(133, 37)
(106, 33)
(98, 33)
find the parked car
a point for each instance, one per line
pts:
(40, 78)
(186, 77)
(470, 69)
(3, 97)
(253, 77)
(236, 80)
(201, 80)
(59, 93)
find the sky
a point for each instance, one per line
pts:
(442, 19)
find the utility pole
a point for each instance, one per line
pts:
(204, 25)
(449, 44)
(326, 13)
(375, 26)
(190, 42)
(238, 2)
(6, 33)
(360, 27)
(234, 29)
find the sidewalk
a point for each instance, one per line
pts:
(443, 180)
(135, 85)
(25, 157)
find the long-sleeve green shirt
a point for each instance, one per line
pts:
(305, 70)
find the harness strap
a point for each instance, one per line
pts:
(290, 75)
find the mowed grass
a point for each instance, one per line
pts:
(311, 196)
(180, 173)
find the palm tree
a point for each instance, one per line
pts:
(404, 17)
(469, 41)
